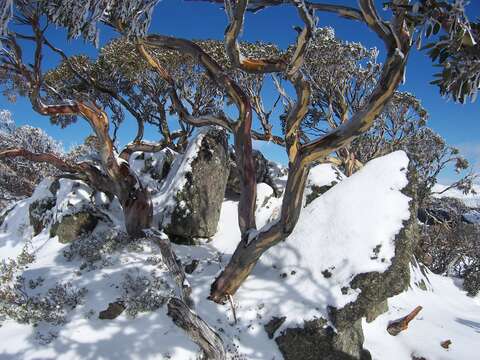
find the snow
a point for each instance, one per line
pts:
(472, 216)
(337, 232)
(156, 162)
(322, 175)
(164, 201)
(447, 314)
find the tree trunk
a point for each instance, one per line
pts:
(248, 253)
(248, 181)
(134, 198)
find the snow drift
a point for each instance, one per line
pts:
(348, 230)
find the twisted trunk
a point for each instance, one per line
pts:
(248, 252)
(123, 182)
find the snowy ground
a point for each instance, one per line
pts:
(448, 314)
(336, 232)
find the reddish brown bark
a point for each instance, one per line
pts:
(302, 155)
(134, 198)
(397, 326)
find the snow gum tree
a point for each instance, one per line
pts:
(400, 29)
(19, 177)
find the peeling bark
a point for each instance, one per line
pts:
(197, 329)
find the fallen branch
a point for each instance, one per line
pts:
(180, 310)
(173, 266)
(232, 304)
(395, 327)
(197, 329)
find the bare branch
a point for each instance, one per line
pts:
(197, 329)
(182, 111)
(268, 137)
(48, 158)
(236, 15)
(392, 75)
(241, 128)
(103, 89)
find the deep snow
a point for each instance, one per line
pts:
(337, 232)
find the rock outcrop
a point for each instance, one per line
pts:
(198, 203)
(72, 226)
(318, 340)
(315, 340)
(39, 213)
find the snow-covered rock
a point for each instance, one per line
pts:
(321, 178)
(350, 230)
(153, 168)
(188, 205)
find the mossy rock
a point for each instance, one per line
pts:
(198, 204)
(73, 226)
(316, 340)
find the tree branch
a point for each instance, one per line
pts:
(103, 89)
(197, 329)
(48, 158)
(182, 111)
(241, 128)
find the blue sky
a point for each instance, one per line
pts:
(459, 124)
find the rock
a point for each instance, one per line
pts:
(190, 268)
(422, 285)
(162, 173)
(273, 325)
(264, 169)
(198, 204)
(70, 227)
(445, 210)
(159, 170)
(376, 287)
(113, 311)
(54, 186)
(471, 216)
(39, 213)
(321, 178)
(377, 310)
(316, 340)
(316, 191)
(446, 344)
